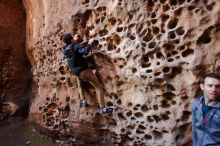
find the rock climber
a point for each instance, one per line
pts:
(74, 53)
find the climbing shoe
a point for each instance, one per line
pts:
(105, 110)
(83, 104)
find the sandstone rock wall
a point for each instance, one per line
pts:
(149, 55)
(15, 69)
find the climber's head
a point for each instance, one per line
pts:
(67, 38)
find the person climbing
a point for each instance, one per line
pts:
(74, 53)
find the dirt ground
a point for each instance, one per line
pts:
(19, 132)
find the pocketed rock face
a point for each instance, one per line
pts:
(149, 55)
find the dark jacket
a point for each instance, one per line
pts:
(74, 56)
(206, 130)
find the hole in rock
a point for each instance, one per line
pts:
(150, 3)
(146, 65)
(153, 15)
(121, 116)
(112, 21)
(142, 127)
(165, 104)
(210, 7)
(150, 119)
(165, 17)
(184, 97)
(119, 102)
(159, 80)
(166, 69)
(154, 21)
(190, 8)
(116, 39)
(183, 128)
(86, 16)
(67, 99)
(121, 66)
(145, 58)
(113, 96)
(138, 131)
(138, 115)
(166, 8)
(173, 2)
(144, 108)
(129, 113)
(152, 45)
(163, 1)
(134, 70)
(182, 47)
(172, 23)
(205, 37)
(157, 73)
(156, 118)
(133, 118)
(177, 57)
(181, 1)
(119, 29)
(148, 37)
(168, 95)
(178, 12)
(174, 52)
(143, 32)
(135, 108)
(170, 87)
(187, 52)
(146, 136)
(156, 30)
(177, 41)
(109, 104)
(129, 104)
(111, 47)
(149, 71)
(157, 134)
(62, 78)
(155, 107)
(103, 32)
(172, 35)
(170, 60)
(168, 46)
(173, 102)
(165, 117)
(159, 55)
(185, 115)
(130, 126)
(122, 130)
(169, 55)
(175, 71)
(132, 37)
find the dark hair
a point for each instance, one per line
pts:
(67, 38)
(211, 75)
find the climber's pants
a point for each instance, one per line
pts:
(88, 75)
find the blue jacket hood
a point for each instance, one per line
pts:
(74, 55)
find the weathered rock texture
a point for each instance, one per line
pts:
(149, 55)
(15, 69)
